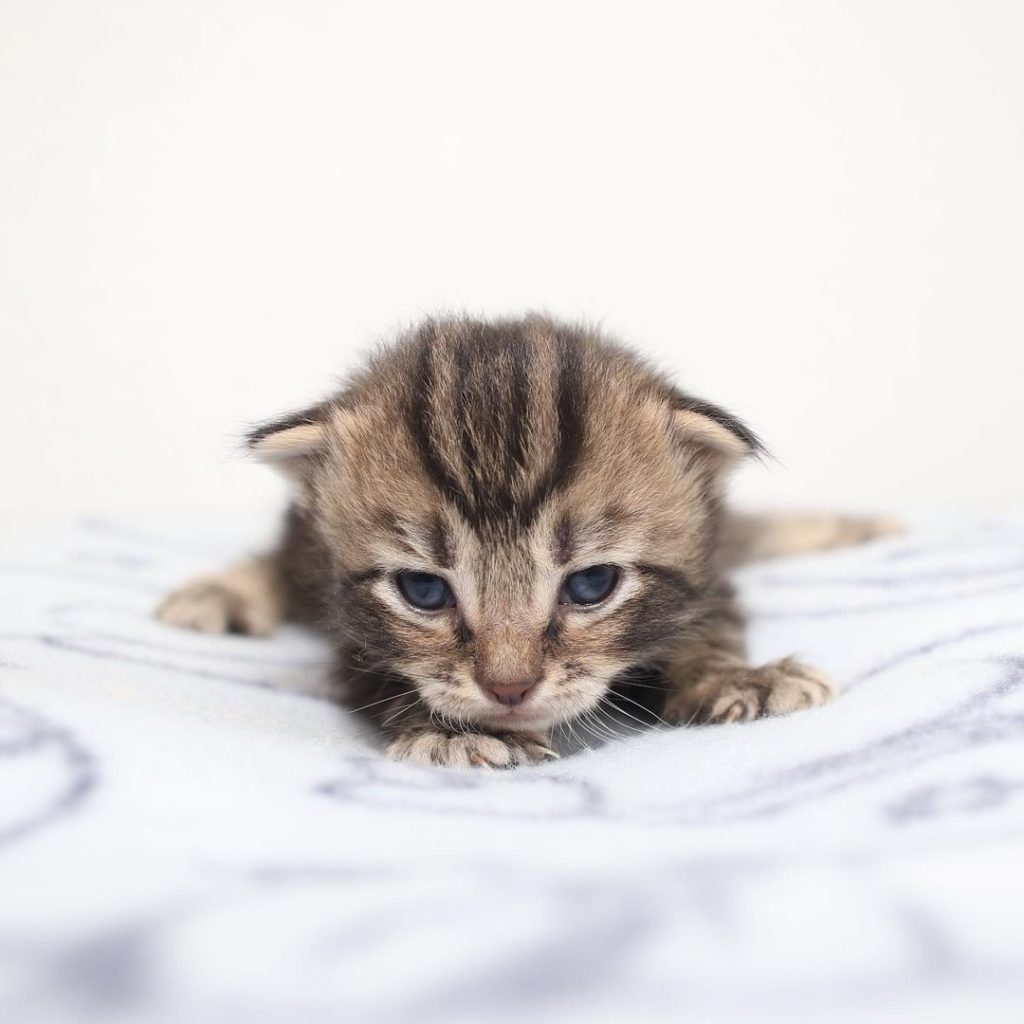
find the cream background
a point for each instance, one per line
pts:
(812, 212)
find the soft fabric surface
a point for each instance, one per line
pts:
(190, 831)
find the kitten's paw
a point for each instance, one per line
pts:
(740, 694)
(233, 602)
(861, 529)
(467, 749)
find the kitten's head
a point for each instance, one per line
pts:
(513, 514)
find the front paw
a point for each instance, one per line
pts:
(738, 694)
(467, 749)
(220, 605)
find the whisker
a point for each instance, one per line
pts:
(582, 722)
(398, 714)
(647, 686)
(598, 727)
(620, 725)
(440, 717)
(588, 728)
(393, 696)
(568, 724)
(642, 708)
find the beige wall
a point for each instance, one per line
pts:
(813, 212)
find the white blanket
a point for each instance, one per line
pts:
(190, 831)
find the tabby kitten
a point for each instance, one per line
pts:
(494, 521)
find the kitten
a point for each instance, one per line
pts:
(493, 522)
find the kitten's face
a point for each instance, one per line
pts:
(512, 527)
(519, 631)
(601, 577)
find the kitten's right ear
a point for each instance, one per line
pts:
(289, 443)
(701, 426)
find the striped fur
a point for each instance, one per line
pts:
(504, 456)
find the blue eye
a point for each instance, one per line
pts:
(589, 586)
(425, 590)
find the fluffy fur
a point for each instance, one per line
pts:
(503, 456)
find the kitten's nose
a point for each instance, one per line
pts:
(509, 694)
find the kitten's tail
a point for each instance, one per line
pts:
(755, 538)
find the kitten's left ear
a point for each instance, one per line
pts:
(697, 424)
(289, 443)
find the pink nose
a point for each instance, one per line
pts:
(509, 694)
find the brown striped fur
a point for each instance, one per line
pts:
(503, 456)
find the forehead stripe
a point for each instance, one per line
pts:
(440, 542)
(421, 424)
(490, 400)
(564, 541)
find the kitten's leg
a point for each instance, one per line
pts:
(245, 598)
(711, 681)
(753, 538)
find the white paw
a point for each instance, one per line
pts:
(463, 750)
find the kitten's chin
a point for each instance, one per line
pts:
(512, 719)
(530, 717)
